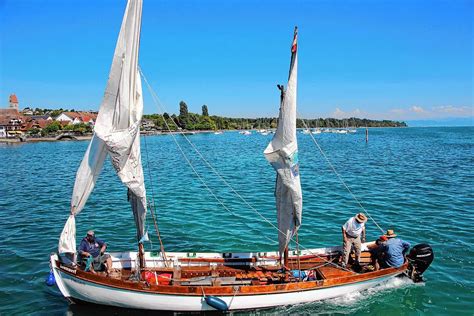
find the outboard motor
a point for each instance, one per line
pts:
(419, 258)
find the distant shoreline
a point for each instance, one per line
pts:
(42, 139)
(143, 133)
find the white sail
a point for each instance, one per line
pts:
(116, 132)
(282, 153)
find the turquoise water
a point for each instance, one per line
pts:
(418, 181)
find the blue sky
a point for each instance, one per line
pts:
(377, 59)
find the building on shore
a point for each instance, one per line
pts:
(27, 111)
(14, 123)
(77, 117)
(46, 117)
(148, 125)
(11, 122)
(38, 124)
(13, 100)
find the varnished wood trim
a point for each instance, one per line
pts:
(229, 290)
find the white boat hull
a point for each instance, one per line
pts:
(98, 294)
(75, 288)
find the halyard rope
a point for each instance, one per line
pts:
(340, 177)
(158, 103)
(153, 208)
(156, 100)
(161, 107)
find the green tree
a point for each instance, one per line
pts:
(52, 128)
(183, 109)
(205, 112)
(183, 119)
(205, 123)
(160, 122)
(34, 131)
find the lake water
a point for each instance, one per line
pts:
(418, 181)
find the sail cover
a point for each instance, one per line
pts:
(282, 153)
(116, 132)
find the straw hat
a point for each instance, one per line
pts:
(361, 218)
(390, 233)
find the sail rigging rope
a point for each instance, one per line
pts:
(161, 107)
(158, 103)
(340, 177)
(152, 206)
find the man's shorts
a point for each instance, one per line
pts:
(99, 261)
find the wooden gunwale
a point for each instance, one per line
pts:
(243, 260)
(230, 290)
(218, 260)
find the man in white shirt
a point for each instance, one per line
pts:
(353, 234)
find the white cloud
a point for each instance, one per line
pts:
(414, 112)
(453, 110)
(398, 111)
(417, 109)
(435, 112)
(340, 114)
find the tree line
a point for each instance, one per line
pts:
(193, 121)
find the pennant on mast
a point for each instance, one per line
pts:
(282, 153)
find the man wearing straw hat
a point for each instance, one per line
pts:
(353, 234)
(394, 250)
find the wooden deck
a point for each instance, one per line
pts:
(222, 279)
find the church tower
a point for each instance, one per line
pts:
(13, 102)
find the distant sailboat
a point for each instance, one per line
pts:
(317, 130)
(190, 281)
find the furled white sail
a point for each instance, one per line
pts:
(116, 132)
(282, 153)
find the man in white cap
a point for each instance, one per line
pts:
(353, 234)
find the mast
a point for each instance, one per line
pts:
(116, 133)
(282, 154)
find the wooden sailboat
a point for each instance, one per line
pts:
(189, 281)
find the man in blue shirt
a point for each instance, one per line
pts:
(394, 250)
(93, 249)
